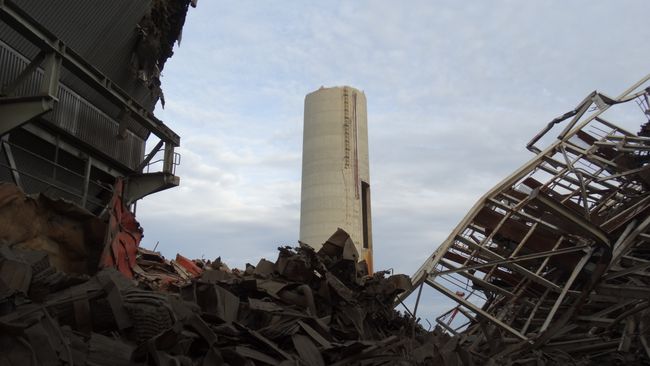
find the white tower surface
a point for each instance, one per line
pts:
(335, 174)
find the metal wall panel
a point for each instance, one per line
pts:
(103, 32)
(76, 115)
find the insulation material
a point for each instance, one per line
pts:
(305, 308)
(69, 234)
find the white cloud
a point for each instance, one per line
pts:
(455, 90)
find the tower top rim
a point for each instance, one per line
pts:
(327, 88)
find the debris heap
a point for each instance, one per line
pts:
(306, 308)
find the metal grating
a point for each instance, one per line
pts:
(103, 32)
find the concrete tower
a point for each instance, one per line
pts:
(335, 175)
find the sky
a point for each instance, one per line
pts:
(455, 90)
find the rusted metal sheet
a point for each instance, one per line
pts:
(70, 235)
(123, 235)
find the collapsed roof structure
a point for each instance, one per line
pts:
(551, 265)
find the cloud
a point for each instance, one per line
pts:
(455, 90)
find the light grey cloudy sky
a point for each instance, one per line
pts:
(455, 90)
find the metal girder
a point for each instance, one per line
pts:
(477, 310)
(51, 74)
(140, 185)
(534, 311)
(87, 170)
(561, 210)
(644, 340)
(447, 327)
(567, 286)
(624, 291)
(589, 191)
(477, 281)
(168, 158)
(150, 156)
(629, 237)
(16, 111)
(9, 155)
(9, 88)
(639, 268)
(575, 115)
(520, 258)
(513, 266)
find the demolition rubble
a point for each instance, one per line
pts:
(306, 308)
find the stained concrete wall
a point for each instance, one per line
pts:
(334, 165)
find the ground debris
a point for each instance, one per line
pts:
(306, 308)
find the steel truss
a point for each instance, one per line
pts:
(556, 257)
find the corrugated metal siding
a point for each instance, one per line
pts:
(76, 115)
(103, 32)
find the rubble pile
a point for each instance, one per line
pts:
(306, 308)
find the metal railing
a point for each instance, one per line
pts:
(85, 193)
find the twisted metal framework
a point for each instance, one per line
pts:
(556, 257)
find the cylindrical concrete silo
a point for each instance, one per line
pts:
(335, 175)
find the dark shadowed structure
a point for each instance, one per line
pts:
(80, 80)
